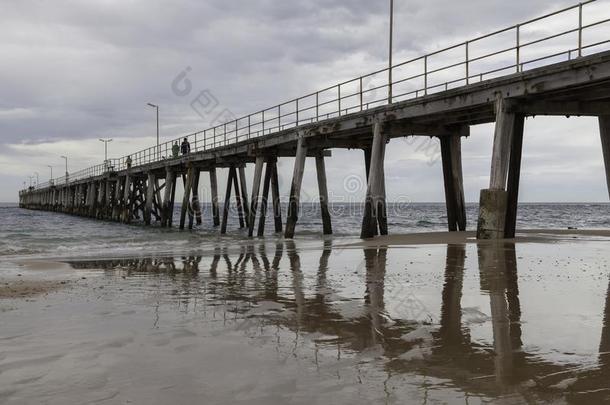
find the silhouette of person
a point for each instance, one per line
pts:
(185, 147)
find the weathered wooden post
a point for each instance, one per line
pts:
(323, 193)
(227, 201)
(275, 196)
(493, 201)
(451, 153)
(188, 185)
(214, 196)
(92, 193)
(167, 208)
(374, 208)
(244, 193)
(514, 174)
(256, 184)
(150, 195)
(295, 188)
(238, 202)
(127, 199)
(604, 130)
(265, 197)
(116, 207)
(195, 199)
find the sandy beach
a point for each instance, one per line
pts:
(425, 319)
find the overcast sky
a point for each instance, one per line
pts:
(75, 71)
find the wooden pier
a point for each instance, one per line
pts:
(145, 191)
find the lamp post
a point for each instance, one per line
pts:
(51, 167)
(157, 108)
(37, 178)
(106, 165)
(390, 52)
(66, 159)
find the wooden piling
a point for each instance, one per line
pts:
(323, 194)
(454, 184)
(150, 190)
(244, 193)
(375, 192)
(127, 199)
(264, 199)
(256, 183)
(195, 199)
(275, 197)
(170, 217)
(167, 207)
(514, 174)
(227, 202)
(604, 130)
(188, 184)
(214, 195)
(492, 202)
(295, 188)
(505, 122)
(238, 203)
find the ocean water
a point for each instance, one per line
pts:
(48, 234)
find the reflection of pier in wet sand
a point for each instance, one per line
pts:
(251, 278)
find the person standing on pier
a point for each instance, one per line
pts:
(186, 147)
(175, 150)
(128, 162)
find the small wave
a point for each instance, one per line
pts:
(426, 224)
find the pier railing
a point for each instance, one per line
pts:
(559, 36)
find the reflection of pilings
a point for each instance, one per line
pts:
(190, 264)
(297, 280)
(496, 263)
(451, 309)
(604, 345)
(375, 262)
(322, 269)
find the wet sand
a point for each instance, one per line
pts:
(31, 278)
(318, 322)
(523, 236)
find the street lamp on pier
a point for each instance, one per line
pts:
(66, 159)
(158, 148)
(390, 52)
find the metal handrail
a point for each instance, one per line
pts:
(338, 100)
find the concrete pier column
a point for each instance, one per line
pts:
(256, 184)
(323, 193)
(374, 206)
(493, 201)
(214, 196)
(451, 152)
(295, 188)
(604, 130)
